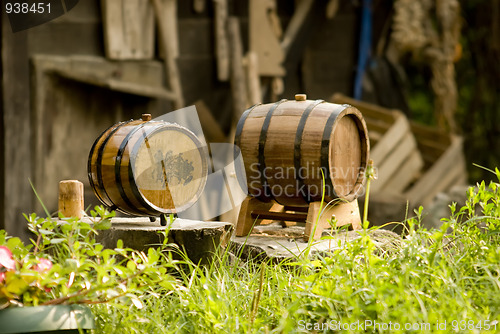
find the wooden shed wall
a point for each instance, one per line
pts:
(48, 140)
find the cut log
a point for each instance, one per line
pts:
(201, 240)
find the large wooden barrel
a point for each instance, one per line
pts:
(289, 146)
(145, 167)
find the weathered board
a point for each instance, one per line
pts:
(263, 40)
(444, 164)
(393, 146)
(16, 195)
(129, 29)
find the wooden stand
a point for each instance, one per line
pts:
(254, 212)
(345, 212)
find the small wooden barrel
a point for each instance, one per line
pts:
(144, 167)
(288, 146)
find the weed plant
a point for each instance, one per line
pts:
(443, 280)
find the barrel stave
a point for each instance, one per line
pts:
(304, 138)
(112, 171)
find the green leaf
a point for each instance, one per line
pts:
(104, 224)
(13, 243)
(131, 265)
(39, 200)
(57, 240)
(137, 303)
(17, 285)
(153, 255)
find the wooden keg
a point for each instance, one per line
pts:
(288, 146)
(145, 167)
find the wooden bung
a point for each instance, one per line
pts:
(71, 198)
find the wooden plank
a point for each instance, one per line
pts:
(263, 41)
(426, 185)
(386, 144)
(145, 72)
(222, 53)
(297, 21)
(16, 195)
(238, 85)
(432, 151)
(58, 37)
(447, 180)
(169, 15)
(371, 110)
(286, 216)
(430, 134)
(253, 80)
(392, 163)
(377, 125)
(117, 85)
(168, 45)
(211, 129)
(128, 29)
(406, 173)
(374, 137)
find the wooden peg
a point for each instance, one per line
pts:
(71, 198)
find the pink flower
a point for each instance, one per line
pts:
(2, 276)
(43, 265)
(6, 259)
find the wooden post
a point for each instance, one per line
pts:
(169, 46)
(221, 39)
(263, 41)
(238, 84)
(71, 198)
(253, 79)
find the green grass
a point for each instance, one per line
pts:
(431, 277)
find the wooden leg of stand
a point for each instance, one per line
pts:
(244, 224)
(245, 220)
(346, 213)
